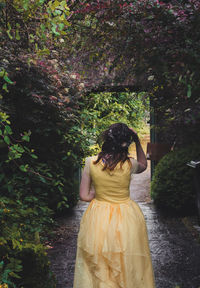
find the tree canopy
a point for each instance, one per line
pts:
(141, 45)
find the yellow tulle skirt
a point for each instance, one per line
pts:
(112, 248)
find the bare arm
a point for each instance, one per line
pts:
(86, 193)
(141, 158)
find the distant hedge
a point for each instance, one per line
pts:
(172, 186)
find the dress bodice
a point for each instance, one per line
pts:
(111, 186)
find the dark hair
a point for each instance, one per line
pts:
(116, 140)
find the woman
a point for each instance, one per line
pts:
(112, 248)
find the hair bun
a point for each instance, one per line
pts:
(117, 137)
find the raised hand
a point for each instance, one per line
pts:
(135, 135)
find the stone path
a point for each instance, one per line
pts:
(175, 249)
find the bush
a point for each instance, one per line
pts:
(53, 128)
(26, 267)
(41, 148)
(36, 271)
(172, 187)
(25, 222)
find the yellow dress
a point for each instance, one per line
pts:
(112, 247)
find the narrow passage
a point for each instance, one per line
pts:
(175, 249)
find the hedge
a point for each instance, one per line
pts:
(172, 186)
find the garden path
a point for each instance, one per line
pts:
(174, 242)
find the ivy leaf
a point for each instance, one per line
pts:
(2, 72)
(9, 35)
(14, 275)
(34, 156)
(57, 12)
(8, 79)
(24, 168)
(42, 179)
(43, 52)
(18, 148)
(53, 29)
(7, 140)
(8, 129)
(61, 26)
(26, 138)
(5, 87)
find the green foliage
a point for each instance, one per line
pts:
(9, 271)
(36, 272)
(33, 23)
(100, 110)
(55, 136)
(172, 186)
(28, 191)
(26, 267)
(25, 220)
(23, 215)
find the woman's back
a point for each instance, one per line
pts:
(111, 186)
